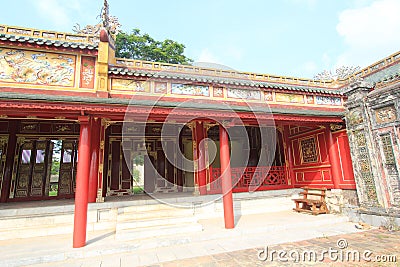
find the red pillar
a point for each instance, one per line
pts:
(226, 178)
(289, 151)
(94, 160)
(201, 170)
(333, 158)
(82, 184)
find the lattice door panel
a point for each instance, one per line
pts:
(68, 165)
(3, 156)
(24, 168)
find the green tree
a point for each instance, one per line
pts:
(142, 46)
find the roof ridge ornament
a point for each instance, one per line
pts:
(110, 23)
(105, 16)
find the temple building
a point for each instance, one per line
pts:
(77, 122)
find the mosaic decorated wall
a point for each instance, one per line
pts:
(372, 118)
(43, 68)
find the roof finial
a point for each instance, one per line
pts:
(105, 15)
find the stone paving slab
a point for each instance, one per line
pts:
(374, 248)
(103, 250)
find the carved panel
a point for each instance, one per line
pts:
(328, 100)
(190, 89)
(160, 87)
(308, 148)
(386, 114)
(268, 96)
(29, 127)
(289, 98)
(310, 99)
(244, 94)
(387, 149)
(63, 128)
(87, 72)
(243, 178)
(3, 156)
(218, 92)
(365, 166)
(355, 117)
(67, 175)
(36, 67)
(130, 85)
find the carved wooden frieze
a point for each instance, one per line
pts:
(385, 115)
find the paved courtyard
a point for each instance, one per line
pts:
(270, 239)
(370, 248)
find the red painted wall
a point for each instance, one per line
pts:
(314, 170)
(343, 148)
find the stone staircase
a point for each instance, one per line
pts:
(140, 222)
(134, 220)
(25, 226)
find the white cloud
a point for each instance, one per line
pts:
(57, 11)
(207, 56)
(234, 52)
(370, 32)
(309, 67)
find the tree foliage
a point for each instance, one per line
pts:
(142, 46)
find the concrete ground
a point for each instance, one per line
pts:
(213, 245)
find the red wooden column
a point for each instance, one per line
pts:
(289, 153)
(201, 157)
(94, 159)
(82, 184)
(226, 177)
(333, 158)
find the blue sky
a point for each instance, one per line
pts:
(287, 37)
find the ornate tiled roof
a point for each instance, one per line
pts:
(219, 80)
(47, 38)
(384, 75)
(168, 104)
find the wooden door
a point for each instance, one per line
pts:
(119, 178)
(31, 169)
(3, 157)
(37, 175)
(68, 166)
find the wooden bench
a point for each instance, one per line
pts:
(313, 201)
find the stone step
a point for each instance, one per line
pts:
(156, 221)
(34, 231)
(23, 221)
(156, 231)
(153, 214)
(140, 208)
